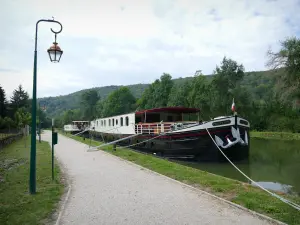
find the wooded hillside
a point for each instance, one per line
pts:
(258, 83)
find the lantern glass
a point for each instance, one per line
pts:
(55, 53)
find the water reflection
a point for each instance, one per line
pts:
(275, 186)
(274, 164)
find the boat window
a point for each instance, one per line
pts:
(113, 122)
(105, 123)
(109, 122)
(121, 121)
(127, 121)
(223, 122)
(244, 122)
(116, 122)
(101, 122)
(97, 122)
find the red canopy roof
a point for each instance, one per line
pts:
(170, 110)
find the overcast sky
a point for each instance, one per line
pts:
(120, 42)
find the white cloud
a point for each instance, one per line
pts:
(131, 41)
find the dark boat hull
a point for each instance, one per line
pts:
(196, 144)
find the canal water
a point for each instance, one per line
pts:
(274, 164)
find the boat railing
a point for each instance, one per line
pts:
(158, 128)
(71, 127)
(152, 128)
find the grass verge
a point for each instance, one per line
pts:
(235, 191)
(17, 206)
(276, 135)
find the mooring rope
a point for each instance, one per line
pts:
(144, 141)
(294, 205)
(79, 133)
(135, 143)
(90, 130)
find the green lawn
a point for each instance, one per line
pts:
(17, 206)
(232, 190)
(276, 135)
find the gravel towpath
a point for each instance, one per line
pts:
(108, 190)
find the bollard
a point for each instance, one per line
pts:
(115, 147)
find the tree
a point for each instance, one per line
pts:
(119, 102)
(157, 94)
(149, 96)
(22, 118)
(2, 125)
(89, 100)
(164, 90)
(227, 77)
(199, 95)
(288, 58)
(3, 102)
(178, 95)
(71, 115)
(99, 108)
(8, 123)
(42, 116)
(19, 99)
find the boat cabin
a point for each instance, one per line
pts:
(167, 114)
(81, 125)
(150, 121)
(154, 121)
(76, 126)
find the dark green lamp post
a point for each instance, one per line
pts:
(55, 54)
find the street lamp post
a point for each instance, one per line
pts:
(55, 54)
(39, 122)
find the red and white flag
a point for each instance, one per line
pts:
(233, 106)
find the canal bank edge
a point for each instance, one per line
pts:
(275, 135)
(87, 141)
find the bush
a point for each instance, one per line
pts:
(296, 125)
(280, 123)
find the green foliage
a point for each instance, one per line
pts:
(70, 115)
(157, 94)
(14, 113)
(227, 78)
(89, 100)
(164, 90)
(22, 117)
(178, 94)
(200, 95)
(8, 122)
(3, 102)
(288, 58)
(296, 125)
(119, 102)
(43, 118)
(2, 123)
(19, 99)
(57, 105)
